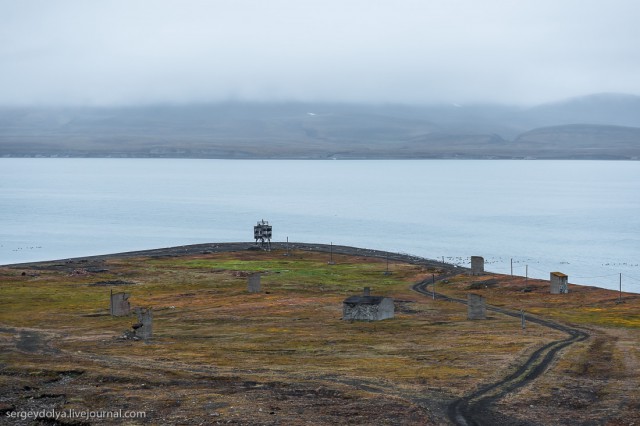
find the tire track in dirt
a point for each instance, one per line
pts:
(473, 409)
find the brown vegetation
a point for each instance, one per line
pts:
(593, 382)
(284, 356)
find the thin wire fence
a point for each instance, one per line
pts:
(523, 268)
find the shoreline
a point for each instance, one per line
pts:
(384, 158)
(207, 248)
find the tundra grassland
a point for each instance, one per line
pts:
(596, 381)
(220, 354)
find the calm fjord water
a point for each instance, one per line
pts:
(578, 217)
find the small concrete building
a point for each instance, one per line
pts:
(476, 307)
(559, 283)
(367, 307)
(119, 304)
(477, 265)
(253, 283)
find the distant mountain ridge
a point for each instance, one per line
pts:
(596, 126)
(604, 108)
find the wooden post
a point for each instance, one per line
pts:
(620, 298)
(331, 262)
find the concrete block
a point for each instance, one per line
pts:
(477, 265)
(476, 307)
(559, 283)
(119, 305)
(143, 329)
(253, 284)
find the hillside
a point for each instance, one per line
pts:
(219, 353)
(581, 141)
(599, 126)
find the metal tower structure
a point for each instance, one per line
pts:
(262, 233)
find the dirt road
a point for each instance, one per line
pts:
(474, 409)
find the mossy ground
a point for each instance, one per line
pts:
(283, 355)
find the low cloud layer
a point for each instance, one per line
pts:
(407, 51)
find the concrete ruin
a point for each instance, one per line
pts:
(119, 305)
(367, 307)
(143, 329)
(477, 265)
(559, 283)
(253, 283)
(476, 307)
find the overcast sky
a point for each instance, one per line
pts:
(107, 52)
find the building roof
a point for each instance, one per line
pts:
(364, 300)
(559, 274)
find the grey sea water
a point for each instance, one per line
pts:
(578, 217)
